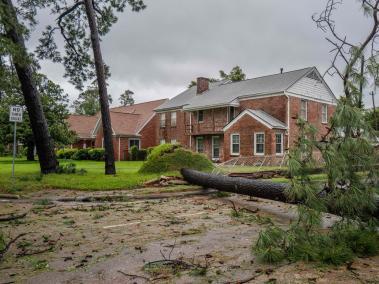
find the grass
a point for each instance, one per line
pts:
(28, 178)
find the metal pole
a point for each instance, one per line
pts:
(14, 147)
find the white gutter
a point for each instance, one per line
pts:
(190, 136)
(288, 119)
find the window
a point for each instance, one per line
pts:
(173, 119)
(134, 142)
(173, 141)
(279, 143)
(200, 116)
(259, 145)
(162, 141)
(324, 113)
(304, 110)
(199, 144)
(163, 120)
(235, 144)
(232, 113)
(216, 147)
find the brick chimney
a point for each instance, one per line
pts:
(202, 85)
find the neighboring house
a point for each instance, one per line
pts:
(83, 126)
(131, 125)
(254, 117)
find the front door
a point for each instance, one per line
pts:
(215, 147)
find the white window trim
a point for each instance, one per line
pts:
(231, 144)
(326, 113)
(219, 147)
(282, 139)
(162, 141)
(255, 144)
(173, 113)
(139, 143)
(173, 141)
(306, 109)
(197, 143)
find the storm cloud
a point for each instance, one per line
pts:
(157, 52)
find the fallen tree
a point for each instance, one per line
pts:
(257, 188)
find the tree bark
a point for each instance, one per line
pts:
(30, 150)
(45, 147)
(110, 168)
(256, 188)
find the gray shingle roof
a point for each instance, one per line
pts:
(270, 120)
(221, 93)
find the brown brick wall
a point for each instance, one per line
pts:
(314, 117)
(177, 132)
(246, 127)
(275, 106)
(149, 134)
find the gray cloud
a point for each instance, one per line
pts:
(158, 51)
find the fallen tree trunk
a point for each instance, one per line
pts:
(257, 188)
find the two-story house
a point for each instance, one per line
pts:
(254, 117)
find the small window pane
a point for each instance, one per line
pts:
(235, 148)
(200, 116)
(304, 109)
(173, 119)
(259, 143)
(324, 113)
(200, 144)
(163, 120)
(279, 143)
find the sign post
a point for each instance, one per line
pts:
(15, 115)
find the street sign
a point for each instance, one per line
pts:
(15, 114)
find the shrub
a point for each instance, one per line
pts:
(96, 154)
(66, 169)
(66, 153)
(142, 155)
(81, 154)
(133, 153)
(168, 157)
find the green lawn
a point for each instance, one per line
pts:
(27, 177)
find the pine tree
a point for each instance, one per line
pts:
(81, 26)
(14, 27)
(350, 165)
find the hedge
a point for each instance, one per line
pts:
(95, 154)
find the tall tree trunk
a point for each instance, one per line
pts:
(45, 148)
(30, 149)
(110, 168)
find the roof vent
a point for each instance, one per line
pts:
(281, 70)
(313, 75)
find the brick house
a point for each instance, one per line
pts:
(131, 125)
(250, 118)
(83, 126)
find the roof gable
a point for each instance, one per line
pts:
(259, 115)
(312, 86)
(129, 120)
(82, 125)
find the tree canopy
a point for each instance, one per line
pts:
(126, 98)
(87, 102)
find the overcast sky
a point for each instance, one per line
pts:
(157, 52)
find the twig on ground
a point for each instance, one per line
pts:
(133, 275)
(12, 217)
(8, 245)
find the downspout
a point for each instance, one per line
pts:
(288, 120)
(190, 136)
(119, 148)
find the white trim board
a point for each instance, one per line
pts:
(238, 117)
